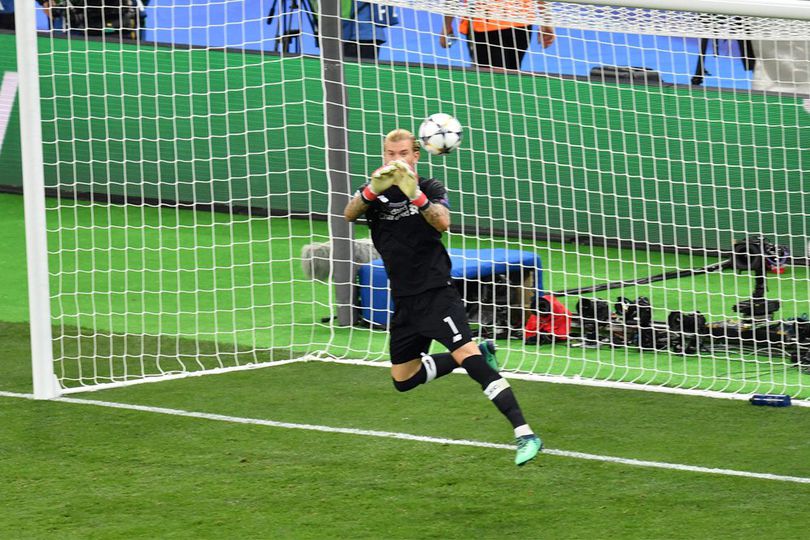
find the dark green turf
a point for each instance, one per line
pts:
(237, 281)
(80, 471)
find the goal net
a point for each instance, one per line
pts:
(192, 206)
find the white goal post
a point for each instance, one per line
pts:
(172, 183)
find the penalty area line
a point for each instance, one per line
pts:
(422, 438)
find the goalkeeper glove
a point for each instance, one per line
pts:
(406, 180)
(381, 179)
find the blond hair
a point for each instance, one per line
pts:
(401, 135)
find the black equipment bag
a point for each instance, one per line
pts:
(499, 303)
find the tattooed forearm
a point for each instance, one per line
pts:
(356, 208)
(438, 216)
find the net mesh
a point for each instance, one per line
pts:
(607, 18)
(189, 190)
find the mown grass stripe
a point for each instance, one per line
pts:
(422, 438)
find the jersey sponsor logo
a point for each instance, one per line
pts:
(398, 210)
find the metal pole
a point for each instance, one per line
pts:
(45, 383)
(337, 162)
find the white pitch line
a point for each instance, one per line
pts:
(422, 438)
(678, 466)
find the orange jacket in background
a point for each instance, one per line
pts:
(527, 8)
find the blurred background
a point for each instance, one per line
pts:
(259, 25)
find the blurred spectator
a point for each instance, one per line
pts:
(499, 43)
(364, 25)
(6, 14)
(365, 28)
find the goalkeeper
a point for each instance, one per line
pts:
(407, 216)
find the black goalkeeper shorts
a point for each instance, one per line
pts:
(437, 314)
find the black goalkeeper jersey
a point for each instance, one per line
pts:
(415, 258)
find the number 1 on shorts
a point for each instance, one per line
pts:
(453, 328)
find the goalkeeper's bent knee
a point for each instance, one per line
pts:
(431, 368)
(409, 384)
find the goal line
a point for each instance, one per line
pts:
(325, 357)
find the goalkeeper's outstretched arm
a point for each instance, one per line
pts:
(356, 208)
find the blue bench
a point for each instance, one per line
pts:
(467, 264)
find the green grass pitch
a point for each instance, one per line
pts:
(79, 470)
(234, 283)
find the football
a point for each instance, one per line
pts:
(440, 134)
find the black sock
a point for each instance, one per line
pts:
(478, 369)
(433, 366)
(508, 405)
(496, 388)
